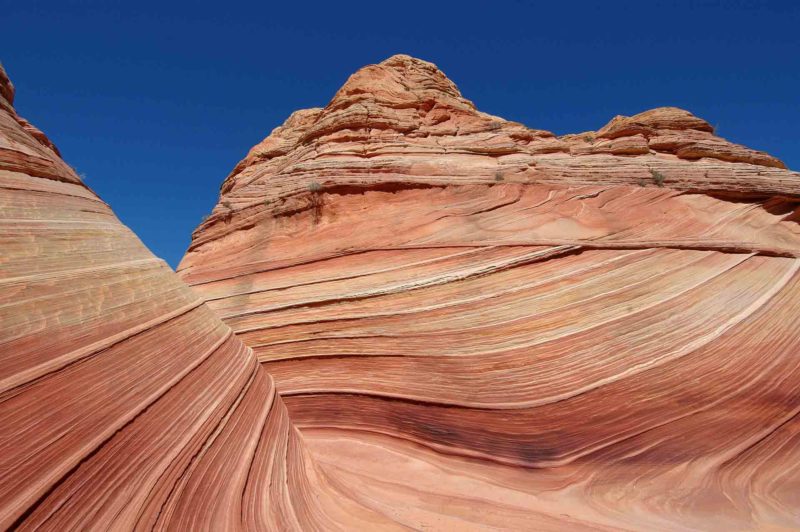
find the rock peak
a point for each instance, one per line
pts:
(647, 122)
(399, 81)
(6, 87)
(403, 119)
(37, 161)
(405, 59)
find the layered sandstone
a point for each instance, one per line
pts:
(473, 324)
(125, 403)
(478, 324)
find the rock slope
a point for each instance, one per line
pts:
(125, 403)
(478, 324)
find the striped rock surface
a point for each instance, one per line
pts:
(125, 403)
(475, 324)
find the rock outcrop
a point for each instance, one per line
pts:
(443, 320)
(474, 323)
(125, 403)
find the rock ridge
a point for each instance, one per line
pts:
(403, 120)
(604, 321)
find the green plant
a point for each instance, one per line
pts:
(658, 177)
(498, 176)
(317, 200)
(227, 205)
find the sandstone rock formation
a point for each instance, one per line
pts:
(124, 402)
(473, 325)
(478, 324)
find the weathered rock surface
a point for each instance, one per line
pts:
(124, 402)
(477, 324)
(473, 324)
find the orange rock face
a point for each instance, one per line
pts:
(475, 324)
(443, 320)
(125, 403)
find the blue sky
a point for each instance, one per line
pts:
(155, 102)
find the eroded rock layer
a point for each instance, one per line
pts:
(125, 403)
(477, 324)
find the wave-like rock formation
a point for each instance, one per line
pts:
(125, 403)
(475, 324)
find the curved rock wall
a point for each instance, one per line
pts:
(474, 325)
(125, 403)
(612, 314)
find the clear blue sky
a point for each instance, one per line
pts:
(155, 102)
